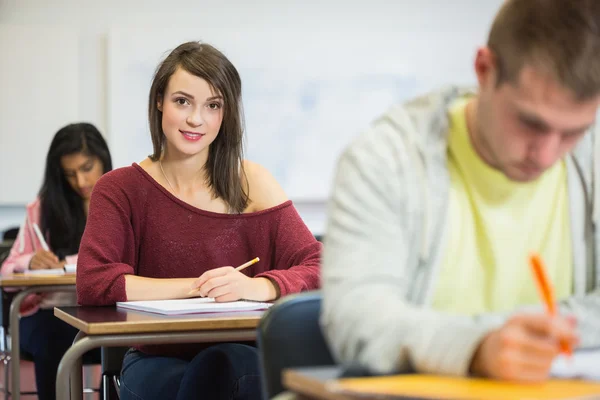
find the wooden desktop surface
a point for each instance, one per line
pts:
(324, 383)
(24, 280)
(113, 320)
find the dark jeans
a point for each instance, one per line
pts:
(223, 371)
(46, 339)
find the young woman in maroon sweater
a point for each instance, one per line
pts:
(184, 218)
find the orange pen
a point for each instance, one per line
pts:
(546, 292)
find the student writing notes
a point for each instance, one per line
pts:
(183, 219)
(49, 238)
(436, 208)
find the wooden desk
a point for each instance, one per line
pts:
(114, 327)
(29, 284)
(311, 383)
(24, 280)
(324, 383)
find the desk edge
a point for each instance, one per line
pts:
(71, 320)
(306, 386)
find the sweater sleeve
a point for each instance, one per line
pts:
(107, 250)
(297, 255)
(368, 259)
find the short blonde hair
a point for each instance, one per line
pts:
(560, 36)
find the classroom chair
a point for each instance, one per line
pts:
(5, 246)
(10, 234)
(112, 360)
(289, 336)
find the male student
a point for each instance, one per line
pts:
(437, 207)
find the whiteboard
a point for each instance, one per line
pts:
(310, 84)
(39, 75)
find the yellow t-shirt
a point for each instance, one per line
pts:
(494, 225)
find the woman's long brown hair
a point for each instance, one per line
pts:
(224, 168)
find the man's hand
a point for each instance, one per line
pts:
(524, 347)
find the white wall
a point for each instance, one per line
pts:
(11, 216)
(94, 19)
(39, 95)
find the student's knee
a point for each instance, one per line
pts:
(129, 394)
(238, 359)
(148, 377)
(225, 371)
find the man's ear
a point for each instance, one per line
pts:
(486, 68)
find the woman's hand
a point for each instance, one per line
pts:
(228, 284)
(43, 259)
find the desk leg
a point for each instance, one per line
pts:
(85, 344)
(66, 369)
(76, 373)
(15, 343)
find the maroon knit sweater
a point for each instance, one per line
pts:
(137, 227)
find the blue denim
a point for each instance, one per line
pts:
(223, 371)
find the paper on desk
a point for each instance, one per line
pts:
(56, 271)
(584, 364)
(194, 305)
(68, 269)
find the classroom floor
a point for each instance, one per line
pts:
(91, 379)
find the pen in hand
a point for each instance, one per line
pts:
(546, 293)
(239, 268)
(40, 237)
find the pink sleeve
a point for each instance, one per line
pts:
(297, 254)
(25, 245)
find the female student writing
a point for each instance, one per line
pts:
(183, 218)
(49, 238)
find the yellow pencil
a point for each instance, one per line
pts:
(241, 267)
(247, 264)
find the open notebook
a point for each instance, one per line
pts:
(192, 306)
(68, 269)
(584, 364)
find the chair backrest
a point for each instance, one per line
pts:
(10, 233)
(289, 336)
(6, 297)
(4, 253)
(5, 301)
(112, 359)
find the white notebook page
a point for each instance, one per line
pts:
(196, 305)
(584, 364)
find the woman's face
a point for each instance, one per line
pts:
(82, 171)
(191, 114)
